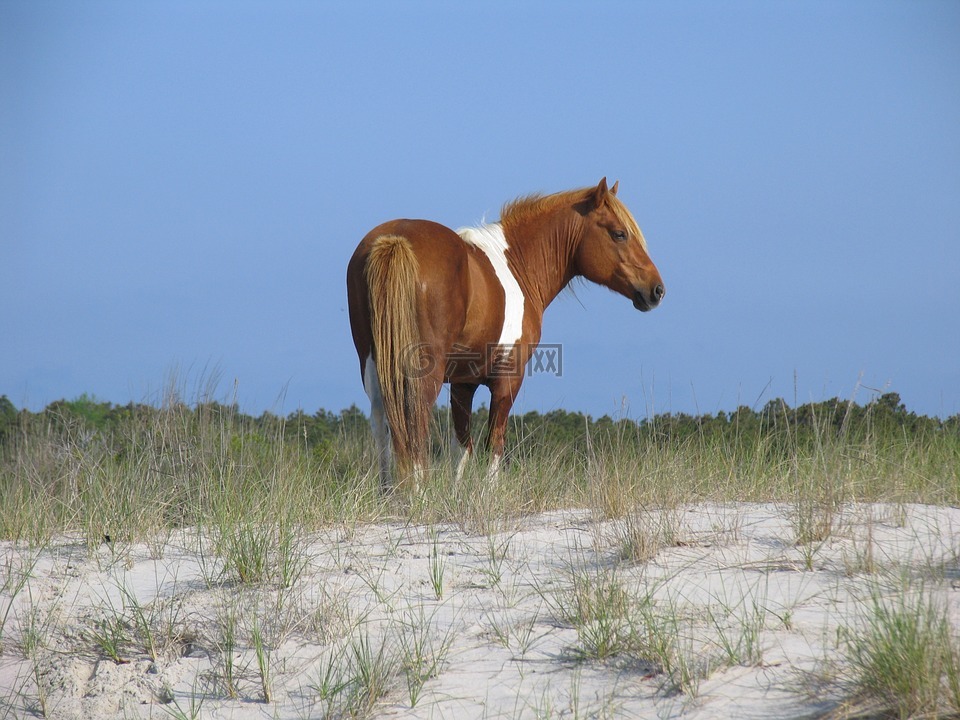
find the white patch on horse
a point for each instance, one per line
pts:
(491, 240)
(462, 455)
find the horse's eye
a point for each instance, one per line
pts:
(618, 235)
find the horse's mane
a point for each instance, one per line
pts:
(537, 204)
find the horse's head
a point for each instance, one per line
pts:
(612, 251)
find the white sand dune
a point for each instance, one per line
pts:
(731, 619)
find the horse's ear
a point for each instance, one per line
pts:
(613, 190)
(600, 193)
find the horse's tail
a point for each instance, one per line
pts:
(392, 274)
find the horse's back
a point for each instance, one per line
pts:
(435, 245)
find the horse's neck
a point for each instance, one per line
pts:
(542, 257)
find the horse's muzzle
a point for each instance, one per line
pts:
(643, 303)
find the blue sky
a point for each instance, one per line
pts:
(182, 184)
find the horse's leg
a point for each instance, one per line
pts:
(461, 404)
(378, 422)
(502, 395)
(429, 391)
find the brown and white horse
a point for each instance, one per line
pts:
(429, 305)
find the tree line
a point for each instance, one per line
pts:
(882, 416)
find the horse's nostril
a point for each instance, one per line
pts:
(658, 292)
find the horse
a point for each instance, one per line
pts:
(429, 305)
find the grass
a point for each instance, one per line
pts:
(193, 711)
(15, 573)
(496, 556)
(571, 705)
(226, 644)
(423, 650)
(374, 668)
(111, 637)
(614, 623)
(738, 628)
(437, 567)
(252, 496)
(33, 639)
(180, 466)
(643, 532)
(156, 626)
(595, 603)
(905, 656)
(257, 484)
(666, 635)
(264, 668)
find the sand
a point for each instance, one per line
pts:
(408, 621)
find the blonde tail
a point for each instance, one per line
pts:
(392, 274)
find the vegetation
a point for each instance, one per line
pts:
(242, 494)
(125, 471)
(906, 658)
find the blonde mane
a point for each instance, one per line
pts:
(535, 205)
